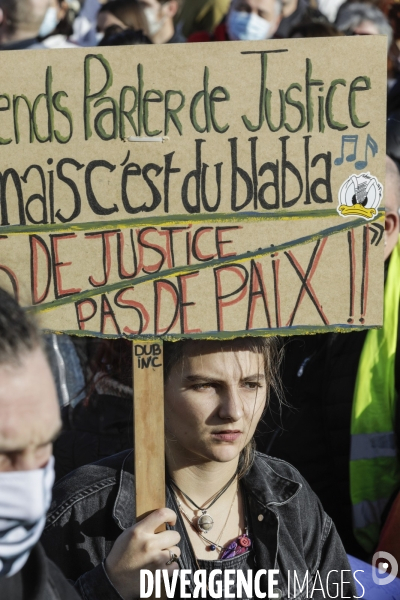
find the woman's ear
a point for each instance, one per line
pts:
(391, 232)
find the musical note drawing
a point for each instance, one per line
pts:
(371, 143)
(351, 139)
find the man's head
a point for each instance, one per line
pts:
(29, 412)
(392, 206)
(253, 19)
(160, 19)
(360, 18)
(21, 19)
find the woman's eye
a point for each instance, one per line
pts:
(252, 385)
(202, 386)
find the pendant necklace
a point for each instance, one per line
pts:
(204, 523)
(241, 544)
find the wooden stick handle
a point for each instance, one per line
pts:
(148, 411)
(148, 407)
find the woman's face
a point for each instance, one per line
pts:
(214, 398)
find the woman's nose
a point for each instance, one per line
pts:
(231, 406)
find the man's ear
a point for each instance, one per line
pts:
(391, 232)
(171, 8)
(2, 17)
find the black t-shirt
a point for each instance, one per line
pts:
(243, 562)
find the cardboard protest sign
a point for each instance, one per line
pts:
(199, 190)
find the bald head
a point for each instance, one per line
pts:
(392, 185)
(392, 206)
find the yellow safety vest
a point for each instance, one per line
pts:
(374, 460)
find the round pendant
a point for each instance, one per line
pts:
(213, 547)
(205, 523)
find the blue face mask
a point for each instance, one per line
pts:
(247, 26)
(49, 22)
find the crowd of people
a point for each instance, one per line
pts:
(73, 23)
(66, 404)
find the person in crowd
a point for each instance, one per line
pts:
(20, 22)
(155, 18)
(160, 16)
(201, 15)
(57, 24)
(295, 12)
(314, 28)
(329, 8)
(115, 36)
(393, 103)
(66, 368)
(84, 25)
(393, 16)
(379, 3)
(227, 507)
(246, 20)
(100, 425)
(393, 135)
(126, 14)
(358, 18)
(342, 428)
(29, 422)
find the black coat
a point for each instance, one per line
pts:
(92, 506)
(91, 432)
(39, 579)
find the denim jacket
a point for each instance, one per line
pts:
(291, 532)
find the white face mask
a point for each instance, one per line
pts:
(49, 22)
(248, 26)
(99, 36)
(24, 501)
(154, 22)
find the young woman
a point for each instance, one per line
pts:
(228, 508)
